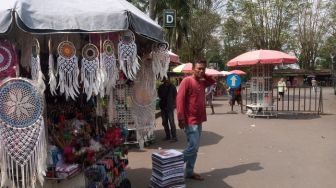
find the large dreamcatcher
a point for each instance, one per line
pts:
(8, 59)
(36, 73)
(127, 52)
(109, 67)
(90, 70)
(22, 134)
(143, 101)
(161, 60)
(67, 68)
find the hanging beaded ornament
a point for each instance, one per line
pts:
(67, 68)
(89, 70)
(36, 73)
(22, 134)
(127, 52)
(7, 59)
(109, 66)
(161, 60)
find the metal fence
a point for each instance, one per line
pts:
(295, 99)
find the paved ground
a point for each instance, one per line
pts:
(292, 151)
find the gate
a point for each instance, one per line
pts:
(295, 99)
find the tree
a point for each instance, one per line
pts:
(311, 25)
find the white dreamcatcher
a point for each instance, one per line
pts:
(161, 60)
(36, 72)
(109, 69)
(22, 134)
(90, 70)
(67, 69)
(51, 73)
(143, 101)
(127, 52)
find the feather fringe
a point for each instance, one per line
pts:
(52, 78)
(128, 59)
(68, 76)
(90, 77)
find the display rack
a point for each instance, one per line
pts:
(261, 91)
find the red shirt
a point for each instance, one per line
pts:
(190, 100)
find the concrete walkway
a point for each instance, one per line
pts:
(291, 151)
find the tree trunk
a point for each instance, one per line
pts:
(152, 12)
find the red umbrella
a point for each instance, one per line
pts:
(239, 72)
(174, 58)
(187, 68)
(262, 57)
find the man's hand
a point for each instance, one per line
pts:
(181, 124)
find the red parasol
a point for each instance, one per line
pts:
(187, 68)
(174, 58)
(239, 72)
(262, 57)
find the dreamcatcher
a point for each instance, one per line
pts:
(109, 67)
(161, 60)
(22, 134)
(67, 68)
(52, 78)
(89, 71)
(127, 52)
(143, 101)
(36, 73)
(8, 59)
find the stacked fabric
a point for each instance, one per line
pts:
(168, 169)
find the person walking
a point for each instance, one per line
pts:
(235, 95)
(167, 94)
(191, 113)
(314, 84)
(209, 93)
(281, 88)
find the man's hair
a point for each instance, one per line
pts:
(202, 61)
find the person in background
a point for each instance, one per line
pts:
(209, 93)
(235, 95)
(191, 113)
(314, 84)
(167, 94)
(281, 88)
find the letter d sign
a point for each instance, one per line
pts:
(169, 18)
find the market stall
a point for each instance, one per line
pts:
(262, 63)
(90, 62)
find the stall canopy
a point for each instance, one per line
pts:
(41, 16)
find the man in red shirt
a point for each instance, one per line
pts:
(191, 112)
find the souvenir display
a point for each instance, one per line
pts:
(8, 59)
(36, 73)
(127, 52)
(51, 74)
(143, 101)
(67, 69)
(90, 70)
(109, 67)
(161, 60)
(22, 134)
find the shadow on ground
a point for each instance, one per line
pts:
(140, 178)
(208, 138)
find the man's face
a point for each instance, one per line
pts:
(199, 70)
